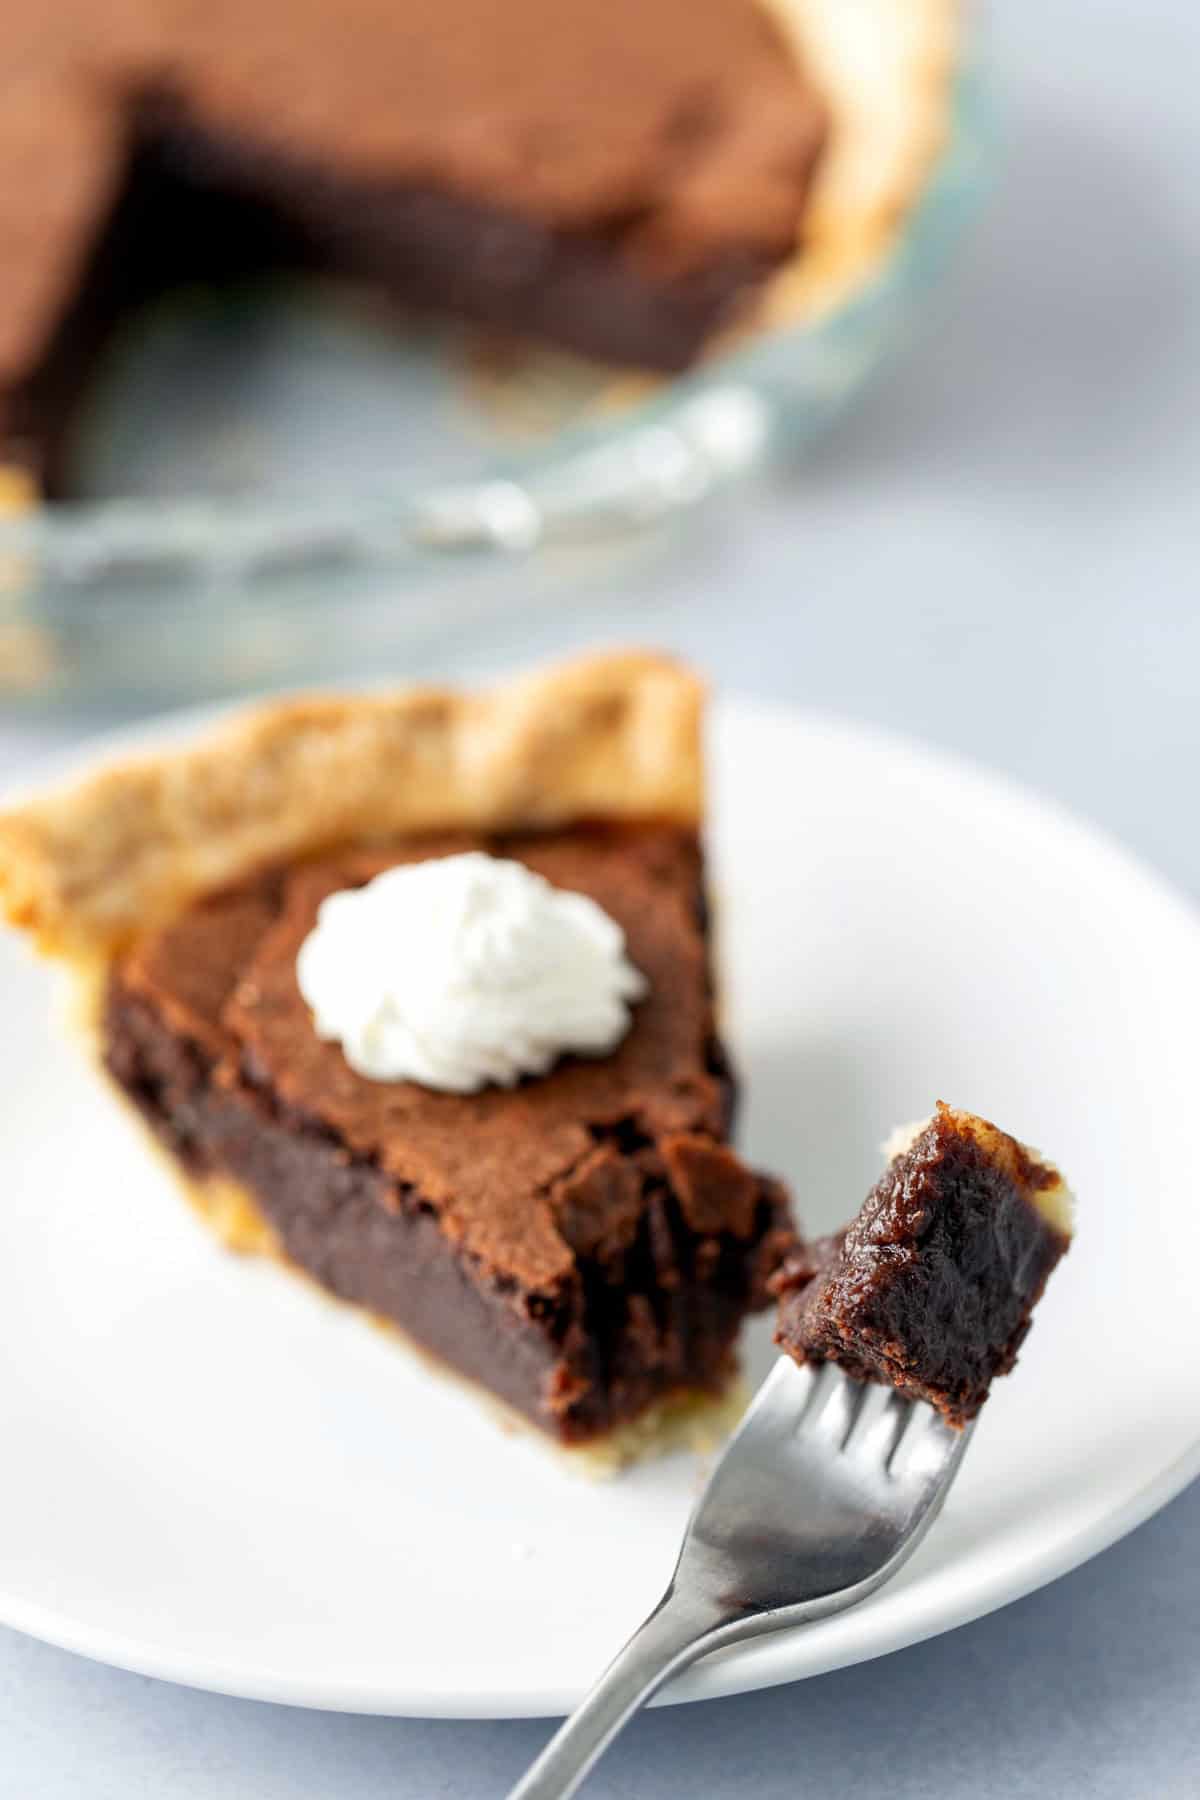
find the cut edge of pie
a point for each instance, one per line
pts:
(89, 865)
(885, 70)
(691, 1419)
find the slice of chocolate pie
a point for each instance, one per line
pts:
(626, 178)
(933, 1286)
(582, 1241)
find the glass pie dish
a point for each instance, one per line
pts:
(276, 482)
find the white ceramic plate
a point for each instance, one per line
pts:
(211, 1474)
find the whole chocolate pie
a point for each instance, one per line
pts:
(623, 177)
(585, 1244)
(932, 1287)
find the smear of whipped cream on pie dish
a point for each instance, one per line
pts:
(466, 970)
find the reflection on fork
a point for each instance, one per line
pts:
(821, 1496)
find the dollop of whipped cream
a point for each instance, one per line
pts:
(465, 970)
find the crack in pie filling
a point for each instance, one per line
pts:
(583, 1244)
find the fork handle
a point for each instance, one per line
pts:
(674, 1635)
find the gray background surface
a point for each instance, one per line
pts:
(997, 552)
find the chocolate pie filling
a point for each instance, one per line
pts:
(582, 1245)
(613, 175)
(932, 1287)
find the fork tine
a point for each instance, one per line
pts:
(856, 1406)
(809, 1510)
(815, 1393)
(895, 1422)
(832, 1410)
(870, 1434)
(921, 1436)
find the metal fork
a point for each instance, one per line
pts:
(825, 1490)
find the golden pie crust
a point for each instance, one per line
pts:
(887, 70)
(85, 866)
